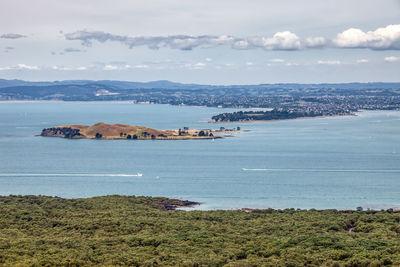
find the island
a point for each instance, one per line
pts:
(103, 130)
(274, 114)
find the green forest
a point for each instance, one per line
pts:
(265, 115)
(145, 231)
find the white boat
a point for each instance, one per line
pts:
(139, 174)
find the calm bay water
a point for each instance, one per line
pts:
(338, 162)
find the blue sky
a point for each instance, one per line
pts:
(209, 42)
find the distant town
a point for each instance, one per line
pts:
(297, 100)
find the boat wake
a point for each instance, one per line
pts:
(324, 170)
(69, 175)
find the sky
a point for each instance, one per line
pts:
(201, 41)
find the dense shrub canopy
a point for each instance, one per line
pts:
(141, 231)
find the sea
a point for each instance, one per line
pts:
(323, 163)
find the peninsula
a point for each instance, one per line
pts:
(275, 114)
(103, 130)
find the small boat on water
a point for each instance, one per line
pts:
(139, 174)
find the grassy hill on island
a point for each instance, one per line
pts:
(114, 130)
(144, 231)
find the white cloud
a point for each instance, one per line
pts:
(21, 67)
(315, 42)
(241, 44)
(27, 67)
(63, 68)
(199, 65)
(208, 59)
(226, 66)
(328, 62)
(381, 39)
(124, 67)
(141, 67)
(362, 60)
(280, 41)
(110, 67)
(290, 64)
(277, 60)
(392, 59)
(135, 67)
(119, 66)
(249, 63)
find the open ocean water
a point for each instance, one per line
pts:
(336, 162)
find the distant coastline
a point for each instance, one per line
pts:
(322, 97)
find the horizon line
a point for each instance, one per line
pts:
(200, 84)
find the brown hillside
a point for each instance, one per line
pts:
(114, 130)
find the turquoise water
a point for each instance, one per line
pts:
(338, 162)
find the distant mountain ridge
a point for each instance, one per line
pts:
(175, 85)
(119, 84)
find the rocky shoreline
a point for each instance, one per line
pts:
(65, 132)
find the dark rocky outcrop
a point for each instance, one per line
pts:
(173, 205)
(66, 132)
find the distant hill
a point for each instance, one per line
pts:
(165, 84)
(56, 92)
(118, 84)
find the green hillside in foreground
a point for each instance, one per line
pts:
(142, 231)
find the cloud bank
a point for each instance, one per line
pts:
(387, 38)
(279, 41)
(182, 42)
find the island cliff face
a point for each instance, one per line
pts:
(66, 132)
(123, 131)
